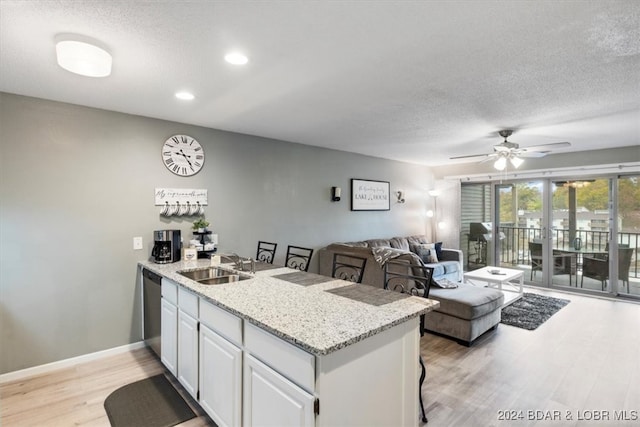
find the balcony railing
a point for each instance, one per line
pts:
(514, 248)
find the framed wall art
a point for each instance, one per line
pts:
(368, 195)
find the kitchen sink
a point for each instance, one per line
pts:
(213, 276)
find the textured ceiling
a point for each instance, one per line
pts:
(412, 81)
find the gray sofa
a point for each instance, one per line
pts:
(465, 312)
(449, 265)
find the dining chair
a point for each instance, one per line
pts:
(266, 252)
(298, 257)
(348, 267)
(402, 276)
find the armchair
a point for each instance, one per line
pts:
(598, 268)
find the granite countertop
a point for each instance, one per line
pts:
(303, 313)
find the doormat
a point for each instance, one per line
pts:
(152, 402)
(531, 311)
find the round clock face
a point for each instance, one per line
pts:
(183, 155)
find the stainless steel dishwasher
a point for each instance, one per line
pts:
(152, 301)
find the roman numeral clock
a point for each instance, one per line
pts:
(183, 155)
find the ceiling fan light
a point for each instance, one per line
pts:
(516, 161)
(236, 58)
(500, 164)
(83, 58)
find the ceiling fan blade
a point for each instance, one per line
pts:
(490, 158)
(501, 147)
(469, 156)
(547, 147)
(533, 154)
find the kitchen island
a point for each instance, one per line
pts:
(302, 349)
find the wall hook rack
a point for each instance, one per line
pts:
(181, 202)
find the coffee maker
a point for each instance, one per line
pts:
(166, 247)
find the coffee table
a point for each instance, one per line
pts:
(506, 279)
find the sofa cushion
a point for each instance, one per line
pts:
(426, 252)
(399, 243)
(355, 244)
(361, 251)
(467, 301)
(417, 239)
(438, 269)
(444, 267)
(376, 243)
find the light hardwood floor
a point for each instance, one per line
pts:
(586, 358)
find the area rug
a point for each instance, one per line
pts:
(531, 311)
(152, 402)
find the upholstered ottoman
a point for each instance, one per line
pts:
(465, 312)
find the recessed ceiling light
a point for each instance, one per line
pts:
(185, 95)
(83, 58)
(236, 58)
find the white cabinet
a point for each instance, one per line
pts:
(169, 326)
(188, 341)
(244, 375)
(220, 378)
(271, 399)
(169, 334)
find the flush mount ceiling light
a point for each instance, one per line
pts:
(236, 58)
(83, 58)
(187, 96)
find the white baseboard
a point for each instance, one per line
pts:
(48, 367)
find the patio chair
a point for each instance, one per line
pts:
(561, 261)
(598, 268)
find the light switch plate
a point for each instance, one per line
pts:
(137, 243)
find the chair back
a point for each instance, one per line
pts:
(266, 252)
(298, 257)
(348, 267)
(535, 251)
(404, 277)
(624, 262)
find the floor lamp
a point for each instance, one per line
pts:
(432, 213)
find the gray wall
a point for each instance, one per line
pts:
(77, 184)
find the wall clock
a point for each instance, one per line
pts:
(183, 155)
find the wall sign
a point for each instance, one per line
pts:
(367, 195)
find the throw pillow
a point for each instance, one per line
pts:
(439, 250)
(426, 252)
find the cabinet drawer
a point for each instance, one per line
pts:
(221, 321)
(169, 291)
(295, 364)
(188, 302)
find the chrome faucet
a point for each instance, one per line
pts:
(238, 261)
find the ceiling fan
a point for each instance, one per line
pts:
(512, 152)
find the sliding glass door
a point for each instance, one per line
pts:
(519, 225)
(562, 233)
(627, 227)
(580, 224)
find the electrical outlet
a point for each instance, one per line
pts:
(137, 243)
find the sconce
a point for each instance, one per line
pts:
(335, 194)
(400, 195)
